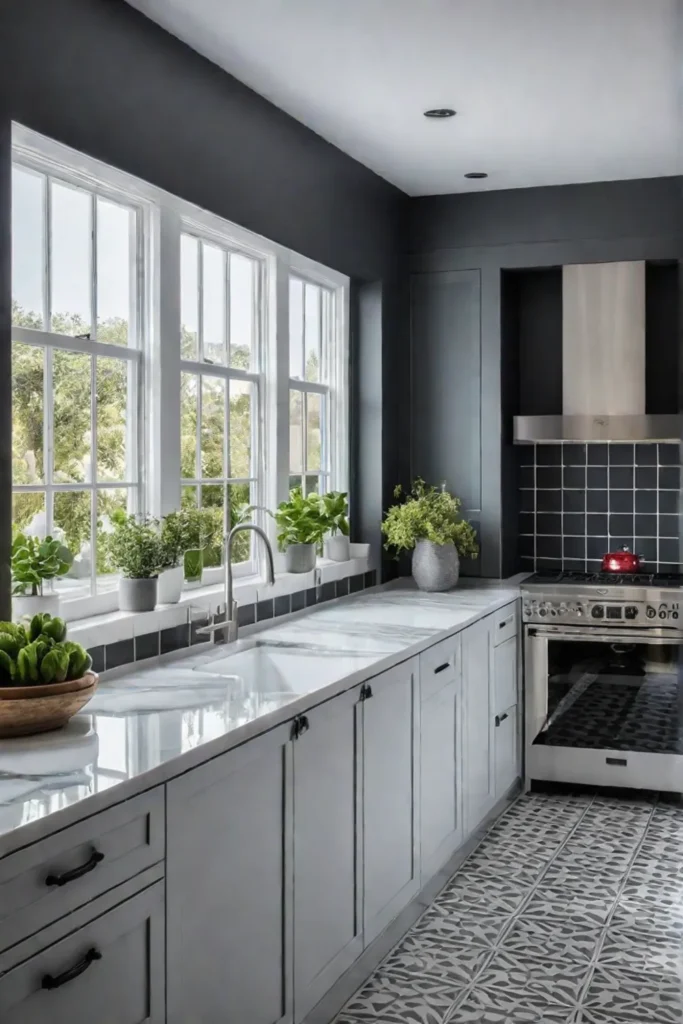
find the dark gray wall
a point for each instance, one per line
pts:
(490, 232)
(100, 77)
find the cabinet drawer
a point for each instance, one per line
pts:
(50, 878)
(505, 674)
(439, 666)
(504, 624)
(111, 969)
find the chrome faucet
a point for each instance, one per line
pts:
(229, 628)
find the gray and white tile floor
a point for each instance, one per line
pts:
(569, 910)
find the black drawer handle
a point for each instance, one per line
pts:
(71, 876)
(442, 668)
(505, 622)
(56, 980)
(620, 762)
(500, 718)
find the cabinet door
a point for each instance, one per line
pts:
(227, 895)
(390, 862)
(440, 778)
(505, 675)
(327, 931)
(505, 738)
(110, 970)
(478, 766)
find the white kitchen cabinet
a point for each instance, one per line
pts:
(505, 674)
(505, 740)
(327, 909)
(505, 733)
(389, 793)
(478, 773)
(441, 829)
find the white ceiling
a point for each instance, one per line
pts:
(547, 91)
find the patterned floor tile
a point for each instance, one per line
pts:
(593, 862)
(483, 1007)
(568, 905)
(663, 890)
(478, 929)
(668, 848)
(492, 895)
(656, 957)
(424, 954)
(648, 917)
(534, 982)
(526, 871)
(400, 997)
(658, 873)
(551, 939)
(635, 996)
(566, 876)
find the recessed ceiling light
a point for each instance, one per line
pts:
(440, 112)
(476, 174)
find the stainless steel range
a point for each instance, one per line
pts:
(603, 686)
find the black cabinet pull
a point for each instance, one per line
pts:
(56, 980)
(441, 668)
(620, 762)
(299, 726)
(500, 718)
(365, 691)
(304, 724)
(71, 876)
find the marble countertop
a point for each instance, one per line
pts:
(152, 721)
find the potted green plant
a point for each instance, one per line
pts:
(173, 540)
(335, 510)
(300, 529)
(428, 523)
(200, 532)
(136, 550)
(44, 678)
(35, 562)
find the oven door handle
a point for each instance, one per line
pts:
(651, 636)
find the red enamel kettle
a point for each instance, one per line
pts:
(622, 560)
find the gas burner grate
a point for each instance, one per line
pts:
(610, 579)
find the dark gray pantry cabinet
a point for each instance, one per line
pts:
(245, 887)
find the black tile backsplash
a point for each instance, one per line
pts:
(175, 638)
(579, 501)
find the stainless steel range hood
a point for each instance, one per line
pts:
(603, 361)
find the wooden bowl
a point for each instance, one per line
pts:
(30, 709)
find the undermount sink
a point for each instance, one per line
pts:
(273, 669)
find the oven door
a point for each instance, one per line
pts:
(604, 706)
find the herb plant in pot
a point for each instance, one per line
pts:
(170, 585)
(428, 523)
(301, 526)
(35, 562)
(136, 550)
(198, 529)
(335, 508)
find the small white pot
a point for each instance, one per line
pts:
(436, 567)
(170, 585)
(25, 604)
(138, 595)
(300, 558)
(337, 547)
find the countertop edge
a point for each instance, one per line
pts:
(31, 832)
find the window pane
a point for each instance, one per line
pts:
(296, 435)
(239, 498)
(27, 414)
(313, 431)
(240, 428)
(111, 377)
(188, 497)
(70, 260)
(312, 485)
(72, 433)
(242, 294)
(72, 525)
(213, 303)
(296, 328)
(189, 296)
(188, 426)
(28, 248)
(294, 481)
(213, 428)
(213, 497)
(115, 238)
(28, 512)
(109, 500)
(312, 332)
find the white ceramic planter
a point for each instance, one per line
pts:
(170, 585)
(300, 558)
(337, 548)
(28, 605)
(436, 567)
(137, 595)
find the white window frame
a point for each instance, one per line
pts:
(164, 218)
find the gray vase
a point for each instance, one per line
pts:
(137, 595)
(300, 558)
(435, 566)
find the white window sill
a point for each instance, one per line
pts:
(195, 603)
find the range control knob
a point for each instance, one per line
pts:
(662, 613)
(562, 610)
(598, 612)
(631, 611)
(650, 612)
(543, 610)
(579, 610)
